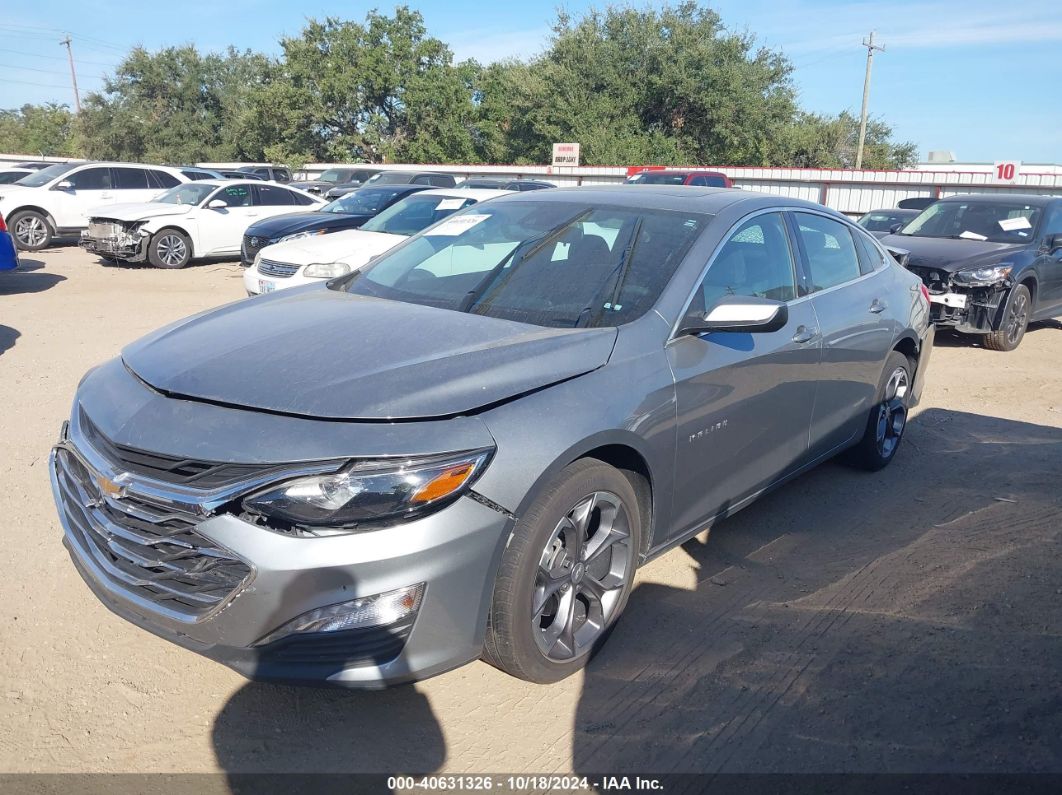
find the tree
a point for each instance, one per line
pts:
(814, 141)
(39, 130)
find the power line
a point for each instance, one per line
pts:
(54, 58)
(43, 71)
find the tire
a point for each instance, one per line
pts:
(888, 418)
(578, 598)
(1014, 322)
(31, 230)
(170, 249)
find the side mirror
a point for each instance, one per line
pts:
(739, 313)
(217, 204)
(1054, 243)
(64, 185)
(895, 228)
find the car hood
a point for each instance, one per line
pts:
(293, 223)
(323, 353)
(138, 211)
(354, 247)
(948, 254)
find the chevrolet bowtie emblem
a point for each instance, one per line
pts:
(254, 241)
(109, 488)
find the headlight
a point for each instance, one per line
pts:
(298, 236)
(257, 259)
(326, 270)
(371, 491)
(991, 274)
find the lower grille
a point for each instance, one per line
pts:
(281, 270)
(145, 549)
(338, 650)
(252, 244)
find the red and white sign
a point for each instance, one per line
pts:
(1006, 171)
(565, 154)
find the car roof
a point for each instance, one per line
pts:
(1032, 199)
(479, 194)
(408, 171)
(667, 197)
(676, 170)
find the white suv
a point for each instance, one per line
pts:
(55, 201)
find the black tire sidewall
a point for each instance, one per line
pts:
(998, 339)
(521, 655)
(13, 220)
(866, 454)
(153, 256)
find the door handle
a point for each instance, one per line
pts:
(804, 334)
(878, 306)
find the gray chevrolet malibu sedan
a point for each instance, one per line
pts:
(467, 448)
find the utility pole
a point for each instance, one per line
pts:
(871, 46)
(73, 73)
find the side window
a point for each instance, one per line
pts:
(271, 196)
(1053, 220)
(701, 182)
(131, 179)
(832, 257)
(870, 257)
(756, 261)
(421, 180)
(281, 175)
(716, 182)
(162, 179)
(441, 181)
(235, 195)
(92, 179)
(300, 198)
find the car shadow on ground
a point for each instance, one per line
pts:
(28, 278)
(117, 264)
(904, 621)
(946, 338)
(8, 336)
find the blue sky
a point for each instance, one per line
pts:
(981, 78)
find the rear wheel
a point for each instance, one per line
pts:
(170, 249)
(888, 418)
(566, 574)
(1015, 321)
(31, 230)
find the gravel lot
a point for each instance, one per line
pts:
(905, 621)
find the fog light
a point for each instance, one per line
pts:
(368, 611)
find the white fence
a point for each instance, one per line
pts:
(847, 190)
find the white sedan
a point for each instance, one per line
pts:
(311, 259)
(192, 221)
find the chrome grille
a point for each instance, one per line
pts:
(251, 245)
(281, 270)
(103, 229)
(148, 550)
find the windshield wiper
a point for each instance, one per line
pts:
(528, 249)
(588, 314)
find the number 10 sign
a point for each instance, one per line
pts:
(1006, 171)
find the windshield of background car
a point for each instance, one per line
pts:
(880, 222)
(367, 201)
(46, 175)
(552, 264)
(414, 213)
(996, 222)
(334, 175)
(657, 178)
(189, 193)
(389, 178)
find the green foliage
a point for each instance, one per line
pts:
(665, 86)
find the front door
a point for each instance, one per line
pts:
(744, 400)
(90, 188)
(221, 229)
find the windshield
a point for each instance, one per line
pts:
(389, 178)
(547, 263)
(367, 201)
(878, 221)
(189, 193)
(996, 222)
(46, 175)
(414, 213)
(657, 178)
(334, 175)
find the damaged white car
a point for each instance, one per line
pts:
(192, 221)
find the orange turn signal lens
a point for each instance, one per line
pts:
(446, 482)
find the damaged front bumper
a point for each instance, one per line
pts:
(969, 308)
(118, 241)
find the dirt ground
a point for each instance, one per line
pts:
(905, 621)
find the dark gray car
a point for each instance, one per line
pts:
(467, 448)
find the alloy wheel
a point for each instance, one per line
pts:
(30, 231)
(892, 412)
(172, 250)
(581, 576)
(1018, 318)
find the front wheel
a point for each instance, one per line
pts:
(1014, 323)
(170, 249)
(888, 418)
(31, 230)
(566, 574)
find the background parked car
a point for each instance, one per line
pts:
(679, 176)
(429, 178)
(10, 175)
(37, 165)
(312, 259)
(881, 222)
(195, 173)
(915, 203)
(201, 219)
(992, 263)
(8, 252)
(346, 212)
(231, 173)
(348, 178)
(272, 173)
(505, 184)
(56, 201)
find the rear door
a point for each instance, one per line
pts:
(744, 401)
(851, 300)
(133, 184)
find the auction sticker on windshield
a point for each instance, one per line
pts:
(450, 204)
(452, 227)
(1014, 224)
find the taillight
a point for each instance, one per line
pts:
(925, 292)
(3, 226)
